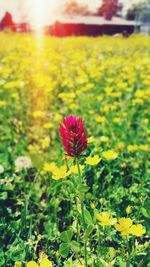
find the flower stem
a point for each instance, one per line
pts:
(82, 215)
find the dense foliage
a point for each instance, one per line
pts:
(49, 206)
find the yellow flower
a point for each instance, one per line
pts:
(137, 101)
(124, 226)
(128, 209)
(100, 119)
(144, 147)
(45, 263)
(132, 148)
(49, 167)
(32, 264)
(121, 145)
(93, 160)
(106, 108)
(45, 142)
(139, 93)
(48, 125)
(60, 172)
(91, 140)
(31, 148)
(18, 264)
(117, 120)
(74, 169)
(2, 103)
(104, 219)
(92, 205)
(137, 230)
(110, 154)
(104, 139)
(38, 114)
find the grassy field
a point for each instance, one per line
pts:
(52, 211)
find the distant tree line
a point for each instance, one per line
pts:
(139, 11)
(107, 9)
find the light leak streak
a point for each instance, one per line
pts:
(38, 17)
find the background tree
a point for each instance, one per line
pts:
(109, 8)
(74, 8)
(139, 11)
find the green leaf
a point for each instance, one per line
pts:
(75, 246)
(112, 253)
(88, 231)
(2, 259)
(64, 250)
(82, 188)
(66, 236)
(17, 253)
(88, 217)
(3, 195)
(145, 213)
(51, 230)
(147, 207)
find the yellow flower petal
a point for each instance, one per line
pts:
(137, 230)
(124, 226)
(32, 264)
(93, 160)
(45, 263)
(104, 219)
(110, 154)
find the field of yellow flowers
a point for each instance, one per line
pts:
(74, 151)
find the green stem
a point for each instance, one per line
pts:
(77, 221)
(82, 215)
(99, 242)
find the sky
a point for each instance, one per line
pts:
(41, 11)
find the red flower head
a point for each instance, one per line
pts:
(73, 135)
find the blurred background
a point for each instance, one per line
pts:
(52, 16)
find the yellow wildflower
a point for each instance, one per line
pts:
(32, 264)
(93, 160)
(106, 108)
(144, 147)
(32, 148)
(38, 114)
(104, 139)
(137, 101)
(117, 120)
(104, 219)
(110, 154)
(45, 142)
(132, 148)
(2, 103)
(18, 264)
(139, 94)
(49, 167)
(124, 226)
(137, 230)
(128, 209)
(92, 205)
(60, 173)
(45, 263)
(100, 119)
(121, 145)
(90, 140)
(74, 169)
(48, 125)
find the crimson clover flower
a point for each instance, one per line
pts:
(73, 135)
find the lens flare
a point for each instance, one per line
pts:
(39, 14)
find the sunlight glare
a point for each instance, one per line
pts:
(39, 13)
